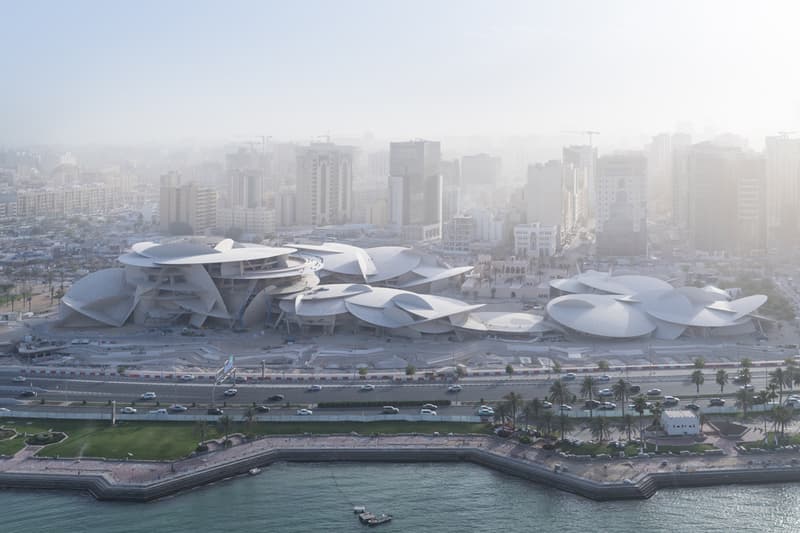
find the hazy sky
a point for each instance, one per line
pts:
(81, 71)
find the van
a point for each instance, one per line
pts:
(390, 410)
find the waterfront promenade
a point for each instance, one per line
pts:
(597, 478)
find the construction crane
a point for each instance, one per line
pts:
(589, 133)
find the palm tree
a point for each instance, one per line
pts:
(699, 363)
(640, 406)
(514, 401)
(782, 416)
(763, 396)
(564, 424)
(621, 390)
(556, 367)
(778, 377)
(460, 372)
(587, 389)
(603, 365)
(745, 376)
(626, 424)
(698, 379)
(225, 424)
(722, 379)
(411, 370)
(600, 428)
(656, 410)
(501, 413)
(559, 392)
(547, 422)
(745, 363)
(743, 398)
(771, 392)
(531, 410)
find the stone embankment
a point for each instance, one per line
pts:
(599, 479)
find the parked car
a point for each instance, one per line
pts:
(605, 392)
(231, 392)
(148, 396)
(454, 388)
(607, 406)
(390, 410)
(178, 408)
(128, 410)
(214, 411)
(367, 387)
(427, 412)
(305, 412)
(158, 412)
(314, 388)
(19, 379)
(670, 401)
(276, 398)
(569, 376)
(565, 407)
(654, 392)
(716, 402)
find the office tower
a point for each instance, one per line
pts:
(186, 208)
(451, 189)
(783, 188)
(578, 165)
(481, 170)
(679, 169)
(621, 204)
(726, 199)
(378, 166)
(543, 194)
(246, 171)
(659, 176)
(324, 184)
(415, 189)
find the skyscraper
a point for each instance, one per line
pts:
(621, 200)
(415, 189)
(578, 164)
(247, 171)
(543, 194)
(324, 184)
(186, 208)
(659, 176)
(480, 170)
(783, 187)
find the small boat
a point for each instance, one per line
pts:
(254, 471)
(358, 509)
(378, 520)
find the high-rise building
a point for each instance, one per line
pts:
(451, 189)
(415, 189)
(480, 170)
(535, 240)
(578, 165)
(247, 171)
(324, 184)
(783, 188)
(659, 176)
(543, 194)
(679, 169)
(186, 208)
(726, 199)
(621, 204)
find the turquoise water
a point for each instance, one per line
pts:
(427, 497)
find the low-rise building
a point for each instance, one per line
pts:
(680, 422)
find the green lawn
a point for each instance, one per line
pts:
(675, 449)
(173, 440)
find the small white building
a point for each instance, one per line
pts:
(680, 422)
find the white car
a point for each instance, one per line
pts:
(454, 388)
(305, 412)
(605, 378)
(485, 410)
(546, 404)
(188, 377)
(427, 412)
(178, 408)
(605, 392)
(314, 388)
(231, 392)
(128, 410)
(565, 407)
(431, 406)
(158, 412)
(20, 379)
(148, 396)
(367, 387)
(569, 376)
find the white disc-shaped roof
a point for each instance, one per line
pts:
(600, 315)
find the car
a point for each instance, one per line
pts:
(693, 407)
(178, 408)
(485, 410)
(427, 412)
(739, 379)
(28, 394)
(565, 407)
(214, 411)
(634, 389)
(314, 388)
(716, 402)
(654, 392)
(19, 379)
(5, 410)
(262, 408)
(670, 401)
(128, 410)
(546, 404)
(231, 392)
(605, 392)
(305, 412)
(748, 386)
(390, 410)
(607, 406)
(455, 388)
(605, 378)
(367, 387)
(591, 404)
(569, 376)
(161, 411)
(148, 396)
(431, 406)
(276, 398)
(188, 377)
